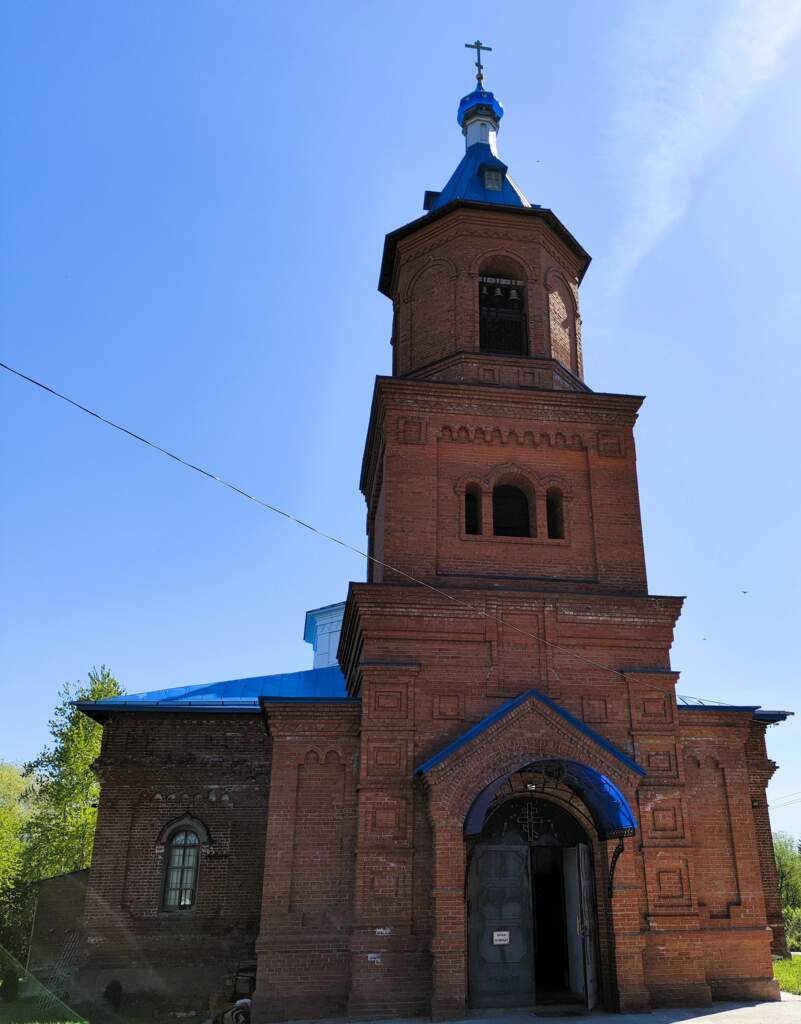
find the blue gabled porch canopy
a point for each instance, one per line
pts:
(611, 813)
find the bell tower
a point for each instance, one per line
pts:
(508, 287)
(489, 460)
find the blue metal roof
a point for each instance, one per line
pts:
(504, 709)
(468, 181)
(239, 695)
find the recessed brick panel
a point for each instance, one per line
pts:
(594, 709)
(448, 705)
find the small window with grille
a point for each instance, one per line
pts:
(180, 884)
(493, 181)
(502, 320)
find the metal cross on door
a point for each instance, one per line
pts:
(532, 822)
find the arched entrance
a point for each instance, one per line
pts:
(532, 748)
(532, 919)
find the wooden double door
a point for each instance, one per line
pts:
(532, 925)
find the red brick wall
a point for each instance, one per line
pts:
(305, 932)
(761, 769)
(155, 769)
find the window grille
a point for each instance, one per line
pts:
(502, 319)
(180, 886)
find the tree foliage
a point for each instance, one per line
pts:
(788, 864)
(16, 894)
(48, 809)
(13, 811)
(59, 832)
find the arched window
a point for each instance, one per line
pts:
(180, 883)
(472, 509)
(502, 308)
(510, 512)
(555, 512)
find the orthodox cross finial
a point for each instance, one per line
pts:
(478, 46)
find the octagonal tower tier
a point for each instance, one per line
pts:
(485, 285)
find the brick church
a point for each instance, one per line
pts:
(486, 792)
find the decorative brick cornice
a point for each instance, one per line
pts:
(287, 719)
(489, 403)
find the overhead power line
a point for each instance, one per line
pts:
(321, 533)
(787, 803)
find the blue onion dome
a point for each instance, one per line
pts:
(479, 102)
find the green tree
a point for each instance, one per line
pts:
(792, 927)
(48, 811)
(63, 795)
(12, 814)
(16, 896)
(788, 864)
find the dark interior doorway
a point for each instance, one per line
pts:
(531, 908)
(550, 925)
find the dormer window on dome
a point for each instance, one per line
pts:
(493, 180)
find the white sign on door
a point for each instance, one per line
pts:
(500, 938)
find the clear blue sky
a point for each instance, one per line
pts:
(194, 198)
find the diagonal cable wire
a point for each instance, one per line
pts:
(313, 529)
(787, 803)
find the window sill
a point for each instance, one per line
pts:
(487, 538)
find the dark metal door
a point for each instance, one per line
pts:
(500, 927)
(587, 897)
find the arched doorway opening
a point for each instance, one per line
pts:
(532, 918)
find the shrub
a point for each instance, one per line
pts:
(792, 927)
